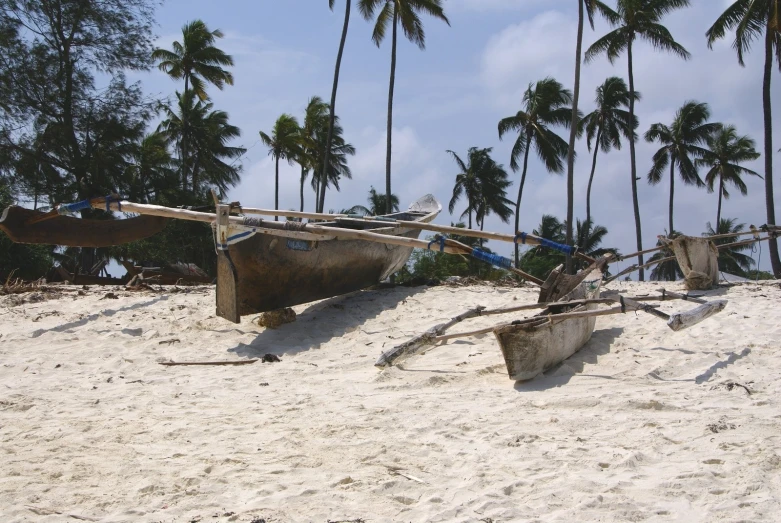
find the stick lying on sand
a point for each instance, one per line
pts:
(233, 362)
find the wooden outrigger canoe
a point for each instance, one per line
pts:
(534, 345)
(282, 268)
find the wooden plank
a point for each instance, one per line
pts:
(686, 319)
(227, 293)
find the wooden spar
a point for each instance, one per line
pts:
(413, 346)
(677, 321)
(755, 232)
(450, 246)
(530, 239)
(636, 267)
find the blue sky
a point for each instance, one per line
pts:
(452, 95)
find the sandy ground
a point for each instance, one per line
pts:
(641, 424)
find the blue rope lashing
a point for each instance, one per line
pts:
(439, 240)
(70, 208)
(566, 249)
(522, 236)
(493, 259)
(109, 199)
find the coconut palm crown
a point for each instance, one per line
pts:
(545, 104)
(725, 151)
(681, 146)
(607, 123)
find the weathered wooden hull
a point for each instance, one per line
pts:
(281, 271)
(20, 225)
(698, 259)
(531, 348)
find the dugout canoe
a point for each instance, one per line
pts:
(534, 345)
(281, 268)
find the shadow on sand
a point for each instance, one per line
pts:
(559, 375)
(324, 320)
(92, 317)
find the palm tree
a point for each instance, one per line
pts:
(494, 198)
(724, 153)
(539, 261)
(483, 182)
(607, 124)
(151, 170)
(406, 14)
(667, 270)
(196, 60)
(315, 120)
(332, 106)
(337, 167)
(545, 103)
(377, 205)
(750, 19)
(283, 144)
(633, 19)
(731, 259)
(681, 143)
(589, 6)
(207, 132)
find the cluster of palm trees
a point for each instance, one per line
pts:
(324, 135)
(315, 142)
(198, 134)
(688, 143)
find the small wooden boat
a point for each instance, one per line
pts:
(536, 344)
(282, 268)
(698, 259)
(29, 226)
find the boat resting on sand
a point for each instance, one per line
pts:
(533, 345)
(282, 268)
(698, 259)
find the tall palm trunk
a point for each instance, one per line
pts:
(591, 177)
(388, 208)
(185, 132)
(572, 134)
(775, 262)
(317, 195)
(276, 189)
(633, 160)
(470, 218)
(320, 200)
(672, 192)
(520, 193)
(718, 209)
(303, 178)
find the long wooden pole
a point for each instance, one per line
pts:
(529, 239)
(450, 246)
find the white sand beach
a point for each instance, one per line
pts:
(642, 424)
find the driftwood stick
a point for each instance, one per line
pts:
(233, 362)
